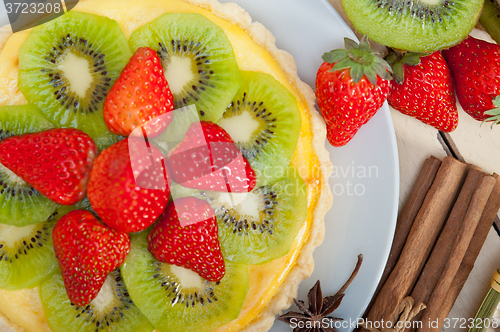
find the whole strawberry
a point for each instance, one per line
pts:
(351, 85)
(423, 89)
(55, 162)
(208, 159)
(475, 68)
(187, 236)
(140, 94)
(87, 252)
(128, 186)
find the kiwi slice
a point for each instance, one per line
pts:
(490, 18)
(257, 227)
(17, 120)
(197, 58)
(27, 256)
(20, 203)
(68, 65)
(111, 310)
(176, 299)
(264, 121)
(414, 25)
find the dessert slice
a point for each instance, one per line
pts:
(271, 285)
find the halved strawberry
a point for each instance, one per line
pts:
(187, 236)
(128, 186)
(140, 94)
(55, 162)
(87, 252)
(208, 159)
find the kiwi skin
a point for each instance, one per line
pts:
(411, 25)
(490, 19)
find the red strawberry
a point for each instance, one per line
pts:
(423, 89)
(140, 94)
(128, 186)
(87, 252)
(208, 159)
(475, 67)
(187, 236)
(351, 85)
(55, 162)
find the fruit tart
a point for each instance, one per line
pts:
(59, 79)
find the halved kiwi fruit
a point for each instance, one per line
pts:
(177, 299)
(111, 310)
(264, 121)
(414, 25)
(490, 18)
(20, 203)
(68, 65)
(27, 256)
(197, 58)
(260, 226)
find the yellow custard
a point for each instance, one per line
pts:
(272, 285)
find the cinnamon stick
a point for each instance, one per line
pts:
(441, 252)
(459, 248)
(477, 242)
(421, 239)
(408, 214)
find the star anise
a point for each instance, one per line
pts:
(315, 317)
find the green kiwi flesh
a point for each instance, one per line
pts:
(260, 226)
(17, 120)
(27, 256)
(264, 121)
(20, 203)
(414, 25)
(177, 299)
(112, 309)
(490, 18)
(197, 58)
(68, 65)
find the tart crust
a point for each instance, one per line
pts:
(320, 197)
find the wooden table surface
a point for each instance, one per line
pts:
(479, 145)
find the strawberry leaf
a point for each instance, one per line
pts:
(343, 64)
(399, 72)
(370, 75)
(350, 44)
(494, 112)
(356, 73)
(335, 56)
(411, 59)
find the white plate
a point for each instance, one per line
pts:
(363, 216)
(363, 223)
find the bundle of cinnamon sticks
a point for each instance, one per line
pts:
(439, 234)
